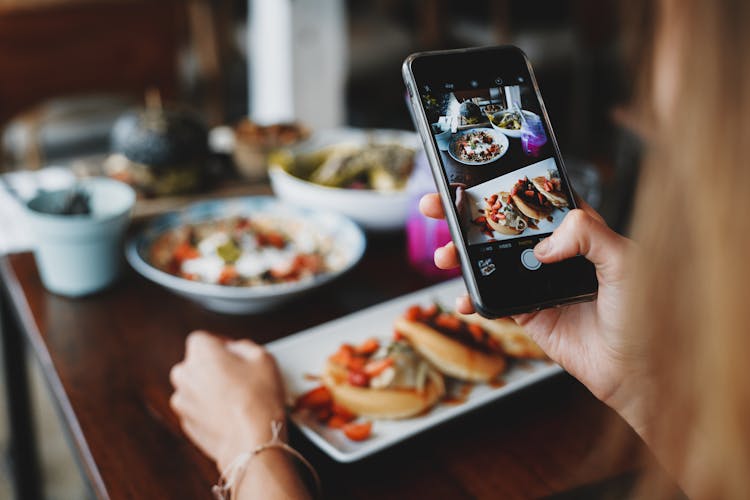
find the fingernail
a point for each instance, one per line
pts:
(543, 247)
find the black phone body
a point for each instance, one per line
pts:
(487, 134)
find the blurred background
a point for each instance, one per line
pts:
(71, 68)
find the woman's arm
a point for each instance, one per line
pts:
(227, 393)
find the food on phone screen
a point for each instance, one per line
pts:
(478, 145)
(491, 109)
(502, 216)
(243, 251)
(530, 201)
(459, 349)
(550, 187)
(510, 120)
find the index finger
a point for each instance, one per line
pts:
(431, 206)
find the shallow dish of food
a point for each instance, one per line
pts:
(509, 122)
(364, 382)
(245, 255)
(359, 173)
(478, 146)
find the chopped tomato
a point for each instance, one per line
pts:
(343, 355)
(188, 276)
(358, 431)
(414, 313)
(310, 262)
(271, 239)
(492, 199)
(319, 397)
(242, 223)
(398, 335)
(228, 274)
(430, 310)
(356, 363)
(185, 251)
(369, 346)
(336, 422)
(359, 379)
(375, 368)
(448, 321)
(323, 414)
(343, 412)
(476, 332)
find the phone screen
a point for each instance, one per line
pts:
(501, 166)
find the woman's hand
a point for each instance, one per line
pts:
(588, 339)
(226, 395)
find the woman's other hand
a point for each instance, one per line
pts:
(586, 339)
(226, 395)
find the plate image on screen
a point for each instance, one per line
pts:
(478, 146)
(525, 202)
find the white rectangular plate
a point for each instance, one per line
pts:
(305, 353)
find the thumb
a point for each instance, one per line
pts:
(582, 234)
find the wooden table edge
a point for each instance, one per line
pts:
(65, 409)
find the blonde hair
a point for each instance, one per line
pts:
(691, 298)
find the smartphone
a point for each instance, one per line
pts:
(500, 175)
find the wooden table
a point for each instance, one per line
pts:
(107, 359)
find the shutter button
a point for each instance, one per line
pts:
(529, 261)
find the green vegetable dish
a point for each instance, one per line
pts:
(378, 167)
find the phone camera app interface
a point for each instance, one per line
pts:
(500, 164)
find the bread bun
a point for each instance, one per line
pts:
(555, 197)
(531, 210)
(501, 228)
(450, 356)
(382, 403)
(513, 339)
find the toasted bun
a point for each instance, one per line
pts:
(514, 340)
(450, 356)
(499, 227)
(530, 209)
(382, 403)
(555, 197)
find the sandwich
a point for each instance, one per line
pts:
(549, 186)
(502, 216)
(455, 347)
(530, 201)
(514, 341)
(389, 381)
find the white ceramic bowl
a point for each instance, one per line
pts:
(516, 134)
(373, 210)
(349, 243)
